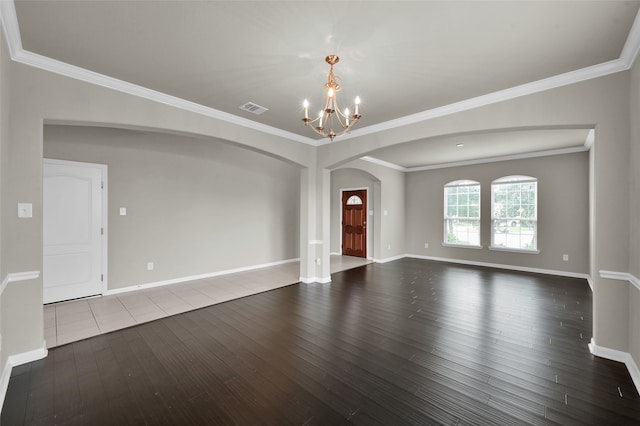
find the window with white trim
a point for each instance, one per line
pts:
(514, 213)
(462, 213)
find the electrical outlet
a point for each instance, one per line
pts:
(565, 257)
(426, 245)
(150, 266)
(389, 247)
(123, 211)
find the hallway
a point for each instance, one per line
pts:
(67, 322)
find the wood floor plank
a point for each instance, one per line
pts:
(403, 343)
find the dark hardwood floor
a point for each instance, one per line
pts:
(407, 342)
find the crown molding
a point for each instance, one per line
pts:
(384, 163)
(561, 80)
(9, 21)
(623, 63)
(478, 161)
(632, 45)
(501, 158)
(77, 73)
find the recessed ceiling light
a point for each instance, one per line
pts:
(459, 145)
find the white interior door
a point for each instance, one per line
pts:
(73, 228)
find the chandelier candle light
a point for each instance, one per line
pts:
(331, 115)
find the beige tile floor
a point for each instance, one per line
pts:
(75, 320)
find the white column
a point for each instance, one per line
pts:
(324, 221)
(307, 225)
(315, 221)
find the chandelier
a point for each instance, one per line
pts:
(331, 121)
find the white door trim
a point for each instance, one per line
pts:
(104, 245)
(342, 191)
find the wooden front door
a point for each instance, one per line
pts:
(354, 223)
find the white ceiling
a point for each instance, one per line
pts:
(404, 59)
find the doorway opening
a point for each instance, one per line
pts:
(354, 223)
(74, 230)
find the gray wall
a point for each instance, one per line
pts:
(602, 104)
(37, 96)
(194, 206)
(388, 196)
(4, 144)
(563, 212)
(634, 215)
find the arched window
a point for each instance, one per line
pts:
(354, 200)
(462, 213)
(514, 213)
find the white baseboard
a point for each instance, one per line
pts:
(503, 266)
(196, 277)
(615, 355)
(25, 357)
(340, 254)
(14, 361)
(4, 382)
(390, 259)
(309, 280)
(22, 358)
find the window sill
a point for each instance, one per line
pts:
(462, 246)
(514, 250)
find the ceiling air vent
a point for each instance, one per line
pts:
(253, 108)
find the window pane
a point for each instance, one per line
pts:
(354, 200)
(513, 213)
(462, 213)
(464, 232)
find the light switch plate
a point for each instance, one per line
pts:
(123, 211)
(25, 210)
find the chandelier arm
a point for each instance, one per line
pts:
(327, 103)
(325, 119)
